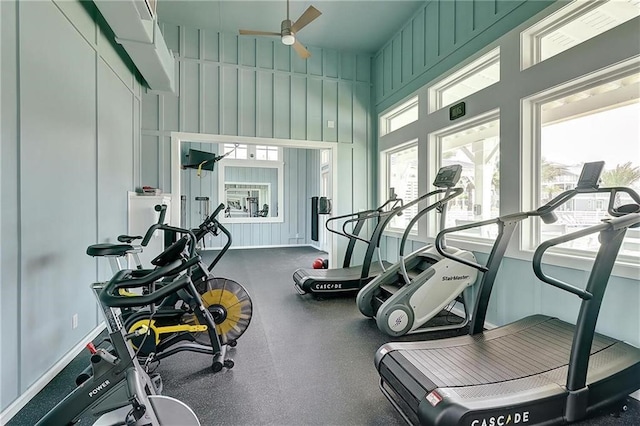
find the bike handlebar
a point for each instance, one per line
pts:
(123, 279)
(162, 208)
(216, 211)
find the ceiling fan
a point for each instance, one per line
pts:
(289, 30)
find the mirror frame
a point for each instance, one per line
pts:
(178, 137)
(278, 165)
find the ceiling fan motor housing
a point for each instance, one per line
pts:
(285, 27)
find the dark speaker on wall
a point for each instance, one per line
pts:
(314, 218)
(197, 158)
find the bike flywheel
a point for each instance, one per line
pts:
(230, 305)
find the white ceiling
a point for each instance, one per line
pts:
(350, 25)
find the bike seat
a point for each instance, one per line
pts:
(109, 249)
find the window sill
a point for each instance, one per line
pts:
(624, 268)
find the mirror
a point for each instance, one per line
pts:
(247, 199)
(251, 190)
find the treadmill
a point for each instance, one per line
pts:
(350, 279)
(537, 370)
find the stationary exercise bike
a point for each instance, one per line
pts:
(171, 326)
(419, 286)
(116, 389)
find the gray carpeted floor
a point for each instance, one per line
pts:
(302, 361)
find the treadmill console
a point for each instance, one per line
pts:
(590, 176)
(448, 176)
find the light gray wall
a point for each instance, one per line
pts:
(301, 179)
(438, 37)
(70, 128)
(258, 87)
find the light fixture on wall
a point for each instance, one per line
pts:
(288, 30)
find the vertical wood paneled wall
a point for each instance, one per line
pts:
(438, 37)
(258, 87)
(70, 129)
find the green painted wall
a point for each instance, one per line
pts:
(438, 37)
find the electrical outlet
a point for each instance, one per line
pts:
(297, 235)
(74, 321)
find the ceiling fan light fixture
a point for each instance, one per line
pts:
(288, 39)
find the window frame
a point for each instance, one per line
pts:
(435, 142)
(405, 106)
(463, 71)
(385, 175)
(516, 134)
(530, 232)
(531, 38)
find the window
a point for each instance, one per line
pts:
(399, 117)
(470, 79)
(402, 176)
(476, 147)
(237, 151)
(572, 25)
(251, 152)
(264, 152)
(594, 121)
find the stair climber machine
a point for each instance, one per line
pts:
(538, 370)
(115, 389)
(406, 296)
(350, 279)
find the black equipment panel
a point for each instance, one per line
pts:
(448, 176)
(590, 176)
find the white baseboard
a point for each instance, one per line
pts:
(43, 381)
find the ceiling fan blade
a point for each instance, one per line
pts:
(307, 17)
(264, 33)
(301, 50)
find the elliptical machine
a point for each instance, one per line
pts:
(414, 290)
(116, 388)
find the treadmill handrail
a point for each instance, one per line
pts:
(373, 215)
(439, 241)
(611, 224)
(360, 216)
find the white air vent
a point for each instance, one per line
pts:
(135, 26)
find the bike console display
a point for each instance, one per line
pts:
(590, 176)
(448, 176)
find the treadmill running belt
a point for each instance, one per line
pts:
(542, 346)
